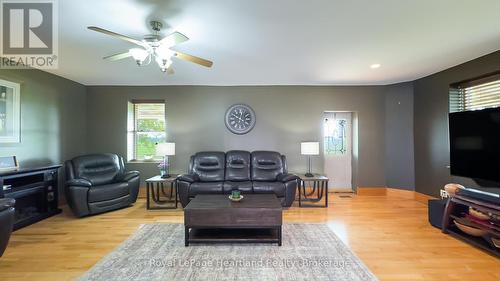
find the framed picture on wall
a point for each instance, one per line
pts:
(8, 163)
(10, 112)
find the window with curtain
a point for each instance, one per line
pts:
(146, 128)
(475, 94)
(335, 142)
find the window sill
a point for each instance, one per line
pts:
(144, 162)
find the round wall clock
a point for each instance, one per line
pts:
(240, 119)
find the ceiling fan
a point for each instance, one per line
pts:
(153, 47)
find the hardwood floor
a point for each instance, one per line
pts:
(389, 233)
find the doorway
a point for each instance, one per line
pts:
(337, 149)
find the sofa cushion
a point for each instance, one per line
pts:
(244, 186)
(260, 187)
(205, 188)
(108, 191)
(238, 165)
(209, 166)
(266, 165)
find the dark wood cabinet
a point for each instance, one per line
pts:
(36, 191)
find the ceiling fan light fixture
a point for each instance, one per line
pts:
(164, 64)
(153, 47)
(164, 53)
(139, 54)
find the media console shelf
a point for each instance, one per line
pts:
(35, 190)
(455, 208)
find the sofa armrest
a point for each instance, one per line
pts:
(79, 182)
(129, 175)
(77, 197)
(188, 178)
(6, 203)
(286, 177)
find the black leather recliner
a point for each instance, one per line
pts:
(98, 183)
(258, 172)
(6, 221)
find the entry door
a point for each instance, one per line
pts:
(337, 148)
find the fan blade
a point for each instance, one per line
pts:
(194, 59)
(116, 35)
(116, 57)
(173, 39)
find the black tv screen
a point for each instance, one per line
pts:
(475, 144)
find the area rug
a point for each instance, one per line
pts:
(157, 252)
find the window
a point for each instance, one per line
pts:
(335, 136)
(476, 94)
(146, 128)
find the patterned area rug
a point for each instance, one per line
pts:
(157, 252)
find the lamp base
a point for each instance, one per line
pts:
(309, 175)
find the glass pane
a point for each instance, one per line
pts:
(150, 129)
(145, 144)
(150, 117)
(150, 125)
(335, 136)
(6, 111)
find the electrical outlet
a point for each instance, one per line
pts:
(443, 193)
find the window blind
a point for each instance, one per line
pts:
(149, 111)
(475, 97)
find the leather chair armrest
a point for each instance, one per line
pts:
(129, 175)
(183, 189)
(286, 177)
(77, 197)
(6, 203)
(79, 182)
(188, 178)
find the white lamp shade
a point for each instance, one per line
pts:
(138, 54)
(165, 149)
(309, 148)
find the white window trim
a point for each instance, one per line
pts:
(132, 131)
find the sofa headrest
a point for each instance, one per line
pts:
(266, 165)
(209, 166)
(97, 168)
(238, 165)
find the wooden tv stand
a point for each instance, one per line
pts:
(458, 204)
(35, 190)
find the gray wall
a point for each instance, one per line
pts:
(62, 119)
(399, 159)
(53, 118)
(286, 115)
(431, 122)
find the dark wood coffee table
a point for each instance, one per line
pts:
(214, 218)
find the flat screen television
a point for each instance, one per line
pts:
(475, 144)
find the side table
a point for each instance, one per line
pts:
(156, 191)
(319, 184)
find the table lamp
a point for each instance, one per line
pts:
(165, 149)
(309, 148)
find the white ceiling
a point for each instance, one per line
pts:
(280, 42)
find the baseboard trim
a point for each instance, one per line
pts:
(366, 191)
(394, 192)
(371, 191)
(142, 192)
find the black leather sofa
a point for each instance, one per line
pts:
(98, 183)
(6, 222)
(258, 172)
